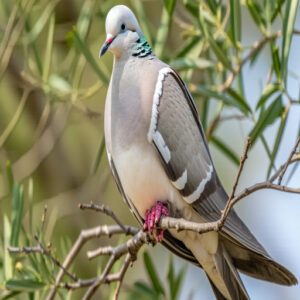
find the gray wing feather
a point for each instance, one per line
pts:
(178, 124)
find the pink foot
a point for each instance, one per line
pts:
(152, 218)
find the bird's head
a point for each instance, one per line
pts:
(122, 31)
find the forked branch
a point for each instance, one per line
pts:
(129, 250)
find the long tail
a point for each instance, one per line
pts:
(228, 276)
(221, 272)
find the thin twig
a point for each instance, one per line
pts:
(241, 167)
(85, 236)
(256, 47)
(106, 210)
(121, 274)
(139, 238)
(288, 161)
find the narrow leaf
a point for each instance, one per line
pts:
(288, 26)
(239, 98)
(139, 7)
(9, 174)
(269, 90)
(89, 57)
(204, 91)
(24, 285)
(7, 259)
(278, 139)
(266, 118)
(277, 10)
(276, 60)
(225, 150)
(153, 276)
(164, 27)
(192, 7)
(99, 155)
(191, 63)
(17, 213)
(256, 14)
(235, 21)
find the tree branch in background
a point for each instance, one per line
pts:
(138, 238)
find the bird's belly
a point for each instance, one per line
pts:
(143, 178)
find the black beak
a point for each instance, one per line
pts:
(105, 46)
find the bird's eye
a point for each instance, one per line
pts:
(123, 27)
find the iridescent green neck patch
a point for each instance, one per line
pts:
(141, 48)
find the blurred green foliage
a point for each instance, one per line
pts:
(52, 88)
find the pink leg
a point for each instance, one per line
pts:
(152, 218)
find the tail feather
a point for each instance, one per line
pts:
(229, 276)
(258, 266)
(218, 294)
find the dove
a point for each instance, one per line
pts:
(161, 163)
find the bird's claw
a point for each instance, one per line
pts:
(152, 218)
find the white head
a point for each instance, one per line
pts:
(122, 30)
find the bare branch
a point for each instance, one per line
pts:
(85, 236)
(106, 210)
(256, 47)
(131, 247)
(288, 161)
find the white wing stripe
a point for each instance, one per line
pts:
(156, 99)
(181, 181)
(162, 147)
(199, 190)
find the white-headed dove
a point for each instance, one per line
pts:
(162, 166)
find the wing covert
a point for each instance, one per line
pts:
(177, 135)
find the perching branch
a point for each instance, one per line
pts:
(129, 250)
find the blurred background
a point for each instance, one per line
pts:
(241, 61)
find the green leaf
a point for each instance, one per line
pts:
(175, 282)
(235, 21)
(9, 295)
(144, 22)
(24, 285)
(192, 7)
(49, 49)
(170, 5)
(266, 118)
(153, 276)
(276, 60)
(213, 6)
(191, 63)
(164, 27)
(7, 259)
(59, 84)
(88, 56)
(216, 48)
(141, 290)
(288, 26)
(225, 150)
(171, 277)
(99, 155)
(219, 52)
(41, 22)
(85, 18)
(10, 175)
(188, 46)
(231, 101)
(17, 213)
(278, 139)
(257, 15)
(269, 90)
(239, 98)
(277, 10)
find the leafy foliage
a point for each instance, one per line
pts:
(53, 85)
